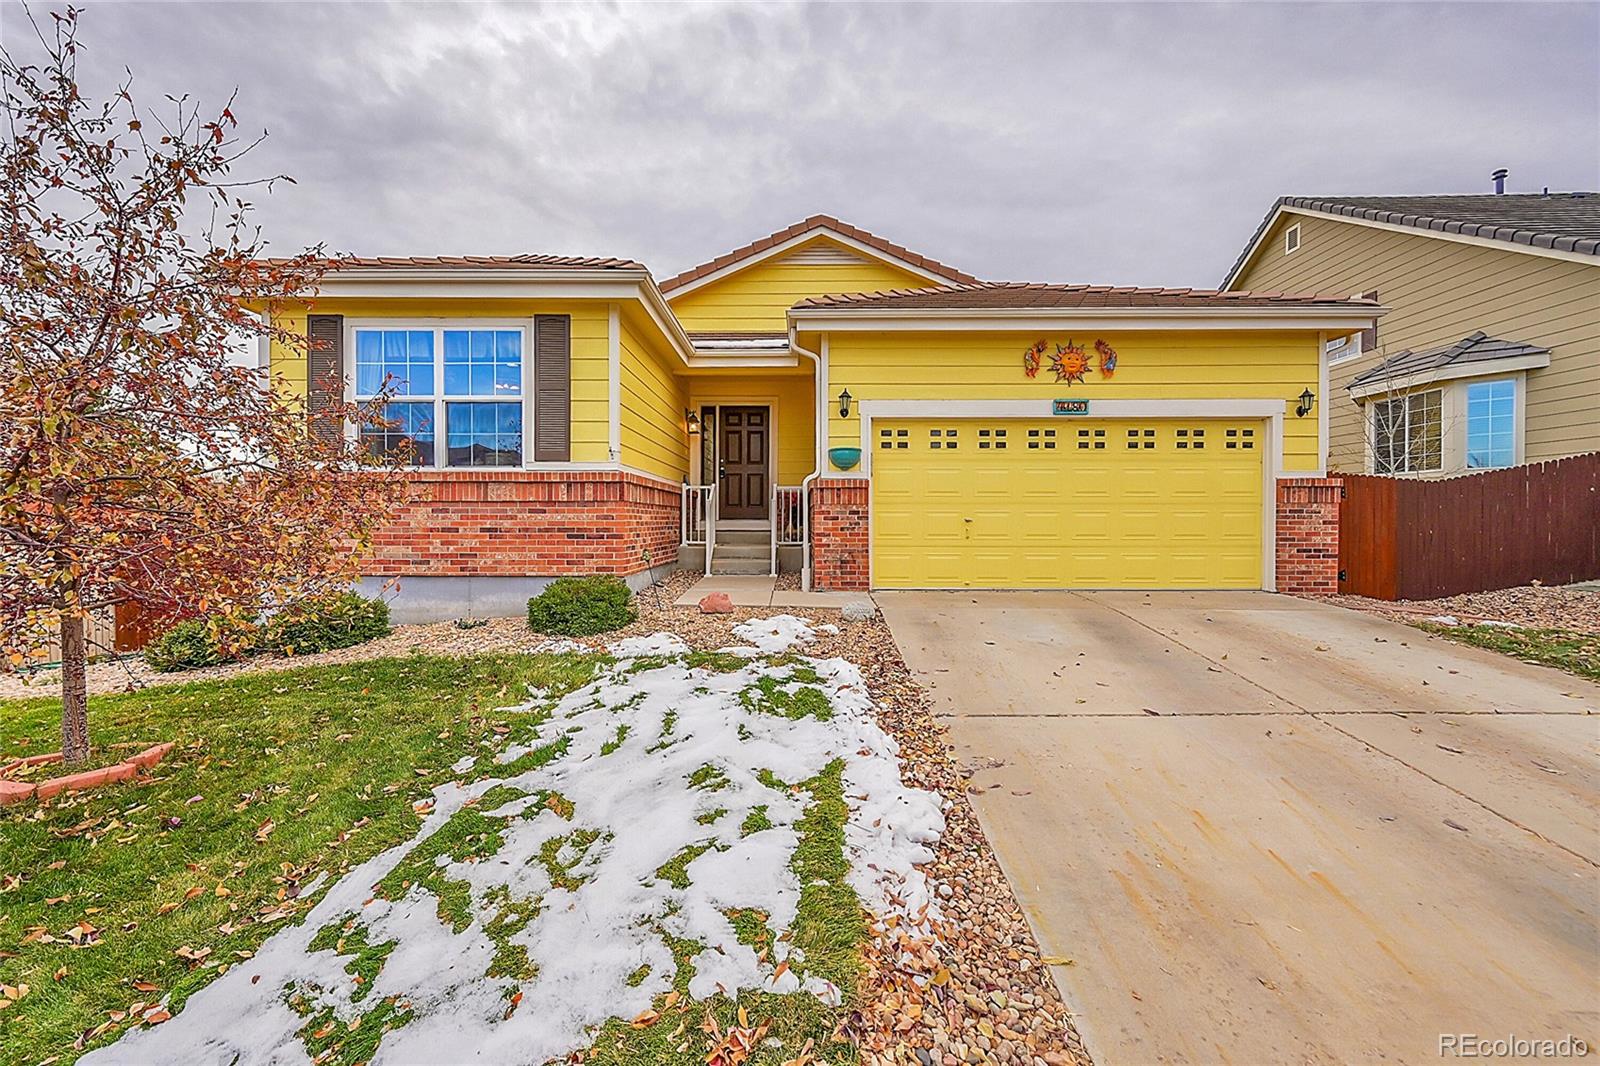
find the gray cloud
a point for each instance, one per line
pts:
(1096, 142)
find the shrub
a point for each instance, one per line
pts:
(188, 645)
(582, 606)
(337, 620)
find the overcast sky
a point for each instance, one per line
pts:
(1117, 143)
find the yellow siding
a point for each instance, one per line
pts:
(789, 395)
(1199, 365)
(288, 363)
(758, 298)
(1439, 292)
(591, 422)
(654, 438)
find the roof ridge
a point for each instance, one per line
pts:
(807, 225)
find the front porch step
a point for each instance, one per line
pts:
(738, 565)
(742, 551)
(731, 537)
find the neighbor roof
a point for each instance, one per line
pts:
(1564, 221)
(1007, 295)
(472, 262)
(816, 223)
(1476, 348)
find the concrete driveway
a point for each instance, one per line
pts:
(1266, 830)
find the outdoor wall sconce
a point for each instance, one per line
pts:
(844, 404)
(1307, 398)
(692, 420)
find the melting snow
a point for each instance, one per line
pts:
(778, 634)
(635, 740)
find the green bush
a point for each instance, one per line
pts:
(188, 645)
(582, 606)
(337, 620)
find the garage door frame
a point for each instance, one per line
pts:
(1270, 411)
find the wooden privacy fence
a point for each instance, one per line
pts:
(1409, 539)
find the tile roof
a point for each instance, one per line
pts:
(816, 222)
(473, 262)
(1479, 347)
(1008, 295)
(1567, 221)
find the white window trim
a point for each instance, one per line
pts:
(1445, 419)
(1291, 239)
(1518, 422)
(441, 448)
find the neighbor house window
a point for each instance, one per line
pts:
(401, 360)
(474, 393)
(1291, 239)
(1407, 433)
(1492, 423)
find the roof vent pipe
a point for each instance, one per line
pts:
(1499, 177)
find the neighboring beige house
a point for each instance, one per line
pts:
(1490, 353)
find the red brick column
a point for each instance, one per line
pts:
(529, 523)
(839, 552)
(1308, 536)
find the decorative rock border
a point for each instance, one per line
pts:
(18, 791)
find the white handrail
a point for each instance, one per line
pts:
(711, 526)
(788, 519)
(696, 505)
(772, 516)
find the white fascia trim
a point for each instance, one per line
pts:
(775, 344)
(614, 381)
(1408, 383)
(1416, 231)
(1033, 319)
(804, 238)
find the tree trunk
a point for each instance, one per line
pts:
(74, 689)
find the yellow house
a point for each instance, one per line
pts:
(827, 401)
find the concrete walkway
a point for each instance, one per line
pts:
(762, 591)
(1269, 830)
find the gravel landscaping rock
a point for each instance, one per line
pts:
(1537, 606)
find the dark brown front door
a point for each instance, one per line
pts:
(743, 456)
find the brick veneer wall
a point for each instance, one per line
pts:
(1308, 536)
(528, 523)
(839, 561)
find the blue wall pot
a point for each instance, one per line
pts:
(844, 458)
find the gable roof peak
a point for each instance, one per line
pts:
(816, 224)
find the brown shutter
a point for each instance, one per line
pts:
(1369, 337)
(325, 373)
(552, 388)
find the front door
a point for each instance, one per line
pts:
(742, 451)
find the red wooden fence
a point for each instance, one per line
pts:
(1409, 539)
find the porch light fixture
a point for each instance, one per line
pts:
(692, 420)
(844, 404)
(1307, 398)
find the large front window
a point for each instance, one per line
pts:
(1407, 434)
(477, 400)
(1492, 423)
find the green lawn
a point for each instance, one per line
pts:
(121, 896)
(1564, 649)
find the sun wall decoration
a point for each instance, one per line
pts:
(1069, 363)
(1032, 358)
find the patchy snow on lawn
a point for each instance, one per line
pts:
(673, 804)
(772, 636)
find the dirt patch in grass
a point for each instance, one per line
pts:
(1536, 606)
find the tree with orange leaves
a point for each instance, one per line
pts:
(140, 460)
